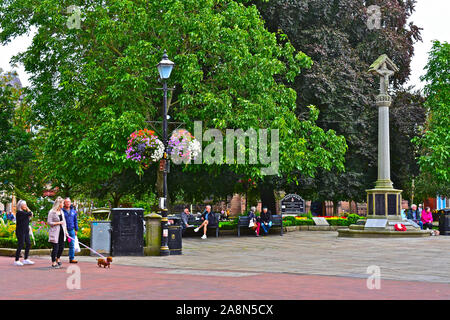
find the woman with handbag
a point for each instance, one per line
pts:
(254, 224)
(58, 231)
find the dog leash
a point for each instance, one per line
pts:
(87, 247)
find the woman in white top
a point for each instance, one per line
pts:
(58, 231)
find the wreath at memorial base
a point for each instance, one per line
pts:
(399, 227)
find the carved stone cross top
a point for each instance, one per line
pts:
(384, 67)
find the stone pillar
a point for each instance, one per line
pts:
(152, 234)
(384, 159)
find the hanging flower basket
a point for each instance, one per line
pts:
(144, 147)
(183, 147)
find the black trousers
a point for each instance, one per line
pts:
(58, 248)
(427, 226)
(23, 237)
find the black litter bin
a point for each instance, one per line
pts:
(127, 236)
(444, 222)
(175, 235)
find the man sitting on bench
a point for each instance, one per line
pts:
(184, 220)
(266, 220)
(207, 217)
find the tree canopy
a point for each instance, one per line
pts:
(336, 36)
(434, 144)
(93, 86)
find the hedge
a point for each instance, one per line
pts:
(292, 221)
(41, 242)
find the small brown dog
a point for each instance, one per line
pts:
(101, 262)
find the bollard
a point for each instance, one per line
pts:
(152, 234)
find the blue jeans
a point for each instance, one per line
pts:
(265, 227)
(71, 244)
(419, 222)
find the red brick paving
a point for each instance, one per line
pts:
(129, 282)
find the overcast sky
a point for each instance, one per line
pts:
(431, 15)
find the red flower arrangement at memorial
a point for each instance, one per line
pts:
(144, 147)
(183, 146)
(399, 227)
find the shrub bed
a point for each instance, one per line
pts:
(41, 242)
(332, 221)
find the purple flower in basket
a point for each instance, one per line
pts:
(141, 148)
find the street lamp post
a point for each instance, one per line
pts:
(165, 67)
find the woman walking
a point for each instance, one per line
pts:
(23, 232)
(58, 231)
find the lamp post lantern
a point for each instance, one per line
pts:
(165, 67)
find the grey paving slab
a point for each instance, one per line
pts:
(316, 252)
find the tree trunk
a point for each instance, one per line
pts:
(268, 197)
(116, 199)
(160, 190)
(159, 182)
(335, 207)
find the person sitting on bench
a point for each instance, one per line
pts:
(207, 217)
(184, 220)
(254, 224)
(266, 220)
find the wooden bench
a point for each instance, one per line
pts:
(277, 221)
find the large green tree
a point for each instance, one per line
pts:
(407, 117)
(335, 34)
(18, 174)
(93, 86)
(434, 145)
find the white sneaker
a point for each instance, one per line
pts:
(204, 236)
(196, 229)
(28, 261)
(18, 263)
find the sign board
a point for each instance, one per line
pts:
(292, 203)
(320, 221)
(376, 224)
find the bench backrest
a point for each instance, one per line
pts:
(193, 221)
(276, 220)
(243, 221)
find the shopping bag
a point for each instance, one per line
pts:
(76, 245)
(251, 224)
(32, 235)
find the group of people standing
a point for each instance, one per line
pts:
(63, 223)
(8, 217)
(424, 218)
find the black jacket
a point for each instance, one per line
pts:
(23, 221)
(211, 217)
(266, 217)
(410, 214)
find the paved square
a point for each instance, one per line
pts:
(298, 265)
